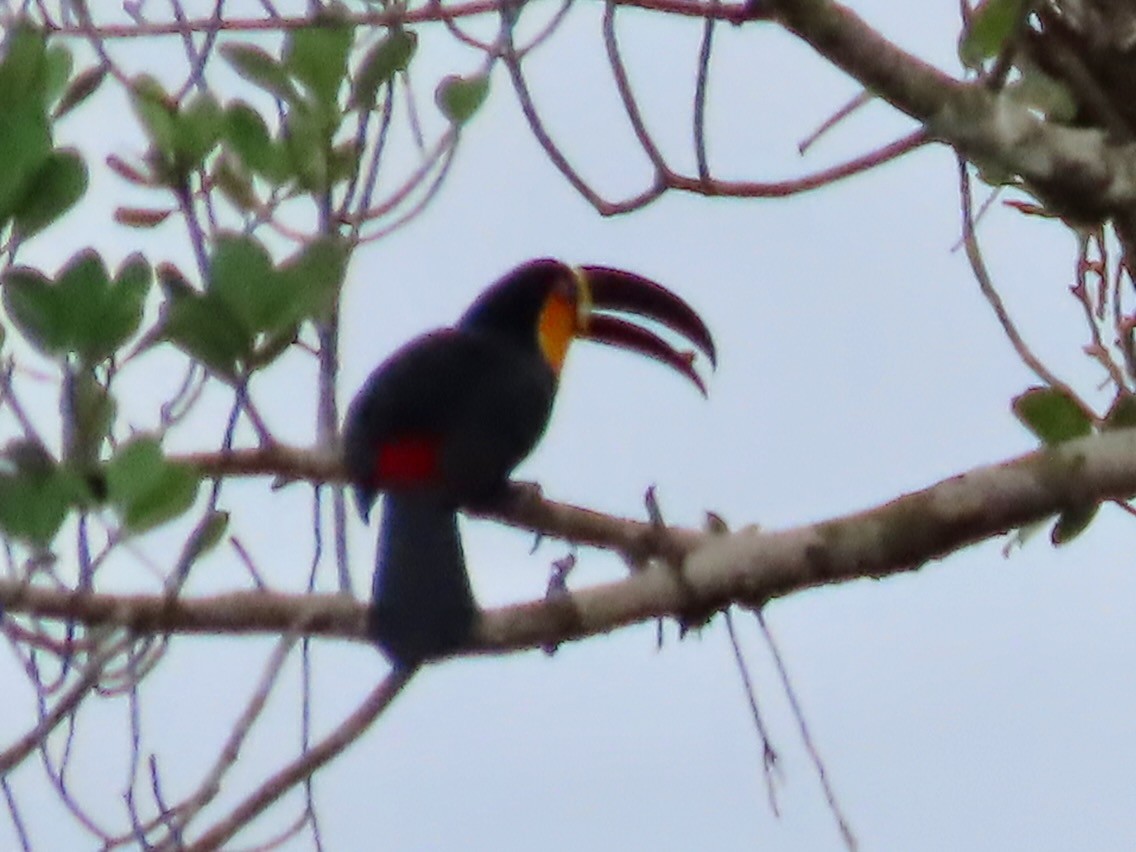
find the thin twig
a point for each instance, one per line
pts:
(226, 759)
(15, 754)
(795, 186)
(395, 15)
(799, 714)
(14, 813)
(295, 773)
(982, 276)
(701, 85)
(536, 125)
(627, 95)
(1082, 292)
(844, 112)
(769, 756)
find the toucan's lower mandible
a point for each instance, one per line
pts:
(446, 418)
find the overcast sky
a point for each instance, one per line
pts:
(982, 703)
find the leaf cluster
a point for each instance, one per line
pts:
(300, 134)
(1055, 416)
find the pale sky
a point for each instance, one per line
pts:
(981, 703)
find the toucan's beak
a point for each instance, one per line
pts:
(616, 290)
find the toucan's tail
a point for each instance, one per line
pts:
(422, 605)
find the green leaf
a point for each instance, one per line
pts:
(83, 289)
(247, 135)
(120, 315)
(271, 301)
(100, 317)
(1071, 523)
(25, 140)
(205, 328)
(313, 278)
(262, 69)
(1122, 414)
(242, 276)
(199, 126)
(991, 23)
(1052, 415)
(24, 69)
(317, 56)
(57, 71)
(81, 312)
(26, 457)
(147, 489)
(158, 113)
(35, 494)
(58, 185)
(387, 57)
(307, 140)
(32, 303)
(235, 184)
(81, 88)
(342, 162)
(134, 273)
(460, 97)
(272, 346)
(33, 508)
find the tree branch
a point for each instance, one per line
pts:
(845, 39)
(749, 567)
(302, 767)
(428, 12)
(1079, 172)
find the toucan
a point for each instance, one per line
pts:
(444, 420)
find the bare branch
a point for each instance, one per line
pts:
(180, 816)
(429, 12)
(306, 764)
(986, 285)
(33, 739)
(794, 186)
(749, 567)
(1080, 172)
(842, 823)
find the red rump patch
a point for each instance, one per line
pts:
(407, 461)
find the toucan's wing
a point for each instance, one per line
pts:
(453, 410)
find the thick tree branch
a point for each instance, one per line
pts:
(749, 567)
(637, 539)
(234, 613)
(1080, 172)
(845, 39)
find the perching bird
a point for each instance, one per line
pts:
(444, 420)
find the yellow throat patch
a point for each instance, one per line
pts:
(563, 317)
